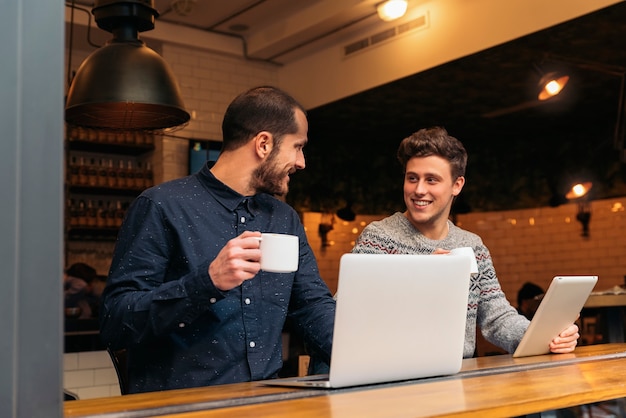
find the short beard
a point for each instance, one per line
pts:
(266, 178)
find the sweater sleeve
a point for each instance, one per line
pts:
(499, 322)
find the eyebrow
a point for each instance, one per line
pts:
(429, 174)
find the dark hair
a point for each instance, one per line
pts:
(82, 271)
(528, 291)
(263, 108)
(434, 141)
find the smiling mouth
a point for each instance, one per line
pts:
(421, 203)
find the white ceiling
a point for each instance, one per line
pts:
(272, 30)
(275, 30)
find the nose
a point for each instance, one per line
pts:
(300, 163)
(420, 188)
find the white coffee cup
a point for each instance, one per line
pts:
(467, 251)
(279, 252)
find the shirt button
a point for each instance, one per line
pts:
(212, 300)
(247, 301)
(242, 220)
(252, 344)
(181, 325)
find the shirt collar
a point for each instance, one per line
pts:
(226, 196)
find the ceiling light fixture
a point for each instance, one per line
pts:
(124, 84)
(391, 9)
(552, 84)
(559, 80)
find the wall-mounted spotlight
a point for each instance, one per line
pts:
(580, 193)
(326, 225)
(391, 9)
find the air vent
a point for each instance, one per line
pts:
(420, 22)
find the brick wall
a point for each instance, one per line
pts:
(90, 375)
(530, 244)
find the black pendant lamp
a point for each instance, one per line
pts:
(124, 84)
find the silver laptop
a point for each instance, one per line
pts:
(398, 317)
(559, 308)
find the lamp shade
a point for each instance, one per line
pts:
(124, 84)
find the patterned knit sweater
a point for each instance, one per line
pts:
(487, 305)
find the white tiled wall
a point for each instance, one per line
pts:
(525, 244)
(208, 83)
(90, 375)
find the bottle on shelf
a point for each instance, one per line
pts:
(140, 137)
(110, 138)
(81, 214)
(92, 214)
(121, 175)
(71, 132)
(92, 173)
(129, 137)
(101, 215)
(119, 214)
(72, 211)
(103, 174)
(81, 134)
(73, 171)
(111, 174)
(83, 172)
(148, 176)
(102, 135)
(111, 215)
(139, 177)
(92, 135)
(130, 175)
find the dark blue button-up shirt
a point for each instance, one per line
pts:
(160, 303)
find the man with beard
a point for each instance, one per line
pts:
(185, 294)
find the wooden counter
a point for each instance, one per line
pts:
(494, 386)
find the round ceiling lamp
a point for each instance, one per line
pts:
(391, 9)
(124, 84)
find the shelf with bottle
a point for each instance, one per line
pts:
(105, 171)
(107, 174)
(92, 217)
(110, 141)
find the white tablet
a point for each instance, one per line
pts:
(559, 308)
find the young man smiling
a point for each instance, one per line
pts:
(185, 294)
(434, 174)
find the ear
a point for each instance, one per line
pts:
(458, 185)
(263, 142)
